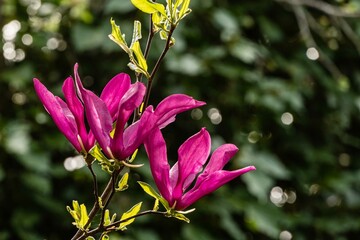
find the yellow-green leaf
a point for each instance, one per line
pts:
(107, 219)
(83, 217)
(136, 33)
(158, 21)
(118, 37)
(105, 237)
(137, 69)
(133, 156)
(177, 3)
(150, 191)
(123, 182)
(139, 55)
(97, 154)
(156, 205)
(75, 212)
(184, 8)
(181, 217)
(149, 6)
(128, 215)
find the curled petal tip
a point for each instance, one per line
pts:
(200, 103)
(251, 168)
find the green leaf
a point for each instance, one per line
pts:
(105, 237)
(100, 202)
(122, 186)
(180, 217)
(79, 213)
(97, 154)
(118, 37)
(150, 191)
(132, 212)
(149, 7)
(107, 219)
(133, 156)
(136, 33)
(90, 238)
(83, 216)
(158, 21)
(139, 56)
(184, 9)
(156, 205)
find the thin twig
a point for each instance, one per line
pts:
(113, 226)
(137, 113)
(310, 42)
(349, 32)
(324, 7)
(96, 193)
(114, 178)
(104, 196)
(157, 65)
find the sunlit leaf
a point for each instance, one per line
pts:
(123, 183)
(136, 33)
(150, 191)
(105, 237)
(139, 56)
(184, 8)
(131, 213)
(133, 156)
(84, 216)
(181, 217)
(156, 205)
(118, 37)
(98, 154)
(107, 219)
(79, 213)
(149, 7)
(158, 22)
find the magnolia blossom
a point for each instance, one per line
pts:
(174, 184)
(68, 115)
(124, 140)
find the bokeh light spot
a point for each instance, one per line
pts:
(287, 118)
(254, 136)
(312, 54)
(344, 159)
(196, 114)
(215, 116)
(10, 30)
(285, 235)
(27, 39)
(73, 163)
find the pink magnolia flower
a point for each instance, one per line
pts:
(174, 183)
(68, 115)
(126, 139)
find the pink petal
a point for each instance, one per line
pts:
(99, 119)
(214, 181)
(136, 133)
(168, 108)
(114, 91)
(217, 161)
(77, 110)
(59, 112)
(130, 101)
(193, 154)
(156, 150)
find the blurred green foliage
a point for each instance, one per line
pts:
(296, 119)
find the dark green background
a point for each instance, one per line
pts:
(245, 58)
